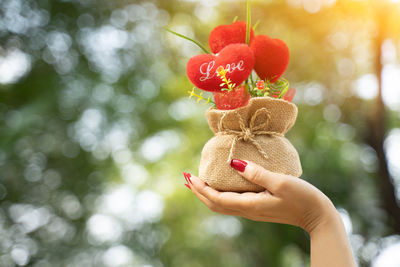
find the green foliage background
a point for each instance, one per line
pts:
(96, 129)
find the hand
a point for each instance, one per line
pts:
(286, 199)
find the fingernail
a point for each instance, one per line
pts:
(238, 164)
(187, 177)
(188, 186)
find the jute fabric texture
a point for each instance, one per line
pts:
(255, 132)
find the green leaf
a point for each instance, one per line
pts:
(248, 22)
(256, 25)
(189, 39)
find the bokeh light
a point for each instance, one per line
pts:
(96, 128)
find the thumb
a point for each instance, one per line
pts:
(256, 174)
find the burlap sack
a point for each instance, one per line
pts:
(254, 132)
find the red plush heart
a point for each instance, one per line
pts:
(224, 35)
(236, 59)
(272, 57)
(238, 97)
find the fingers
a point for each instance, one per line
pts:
(212, 206)
(253, 172)
(226, 200)
(241, 202)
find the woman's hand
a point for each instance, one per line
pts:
(286, 199)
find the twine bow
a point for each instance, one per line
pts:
(248, 134)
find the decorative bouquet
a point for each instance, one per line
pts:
(250, 115)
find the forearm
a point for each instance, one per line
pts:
(287, 199)
(329, 243)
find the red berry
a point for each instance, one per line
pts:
(238, 97)
(260, 85)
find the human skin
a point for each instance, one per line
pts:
(288, 200)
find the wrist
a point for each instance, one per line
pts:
(329, 220)
(324, 216)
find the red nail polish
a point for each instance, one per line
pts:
(238, 164)
(188, 186)
(187, 177)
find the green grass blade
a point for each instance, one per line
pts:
(189, 39)
(248, 23)
(256, 25)
(286, 87)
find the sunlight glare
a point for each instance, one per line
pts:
(389, 257)
(366, 87)
(391, 86)
(119, 255)
(103, 228)
(13, 66)
(346, 220)
(392, 150)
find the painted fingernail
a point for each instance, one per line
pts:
(188, 186)
(188, 175)
(185, 175)
(238, 164)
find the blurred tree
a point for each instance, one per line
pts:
(376, 118)
(96, 127)
(75, 96)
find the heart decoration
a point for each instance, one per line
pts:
(237, 59)
(272, 57)
(225, 35)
